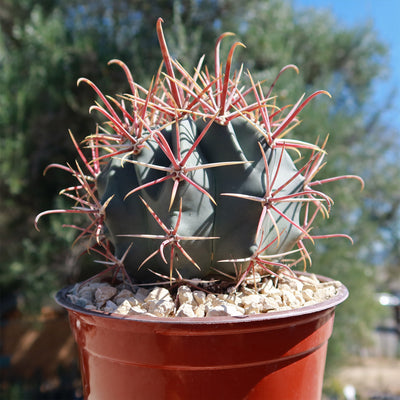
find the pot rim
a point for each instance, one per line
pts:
(340, 297)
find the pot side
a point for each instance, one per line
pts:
(276, 356)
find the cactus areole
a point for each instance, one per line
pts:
(194, 177)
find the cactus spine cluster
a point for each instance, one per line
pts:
(193, 177)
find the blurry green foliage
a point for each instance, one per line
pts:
(46, 46)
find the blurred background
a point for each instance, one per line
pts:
(348, 47)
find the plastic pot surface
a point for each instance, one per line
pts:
(275, 356)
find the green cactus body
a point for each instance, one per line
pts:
(232, 220)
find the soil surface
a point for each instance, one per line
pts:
(256, 295)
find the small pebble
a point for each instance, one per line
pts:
(158, 293)
(225, 310)
(123, 295)
(160, 308)
(185, 310)
(185, 295)
(110, 307)
(104, 293)
(137, 310)
(124, 308)
(199, 297)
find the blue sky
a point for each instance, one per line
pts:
(385, 15)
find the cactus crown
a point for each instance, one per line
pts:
(192, 177)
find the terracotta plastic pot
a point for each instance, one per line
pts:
(275, 356)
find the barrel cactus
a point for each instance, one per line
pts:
(193, 177)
